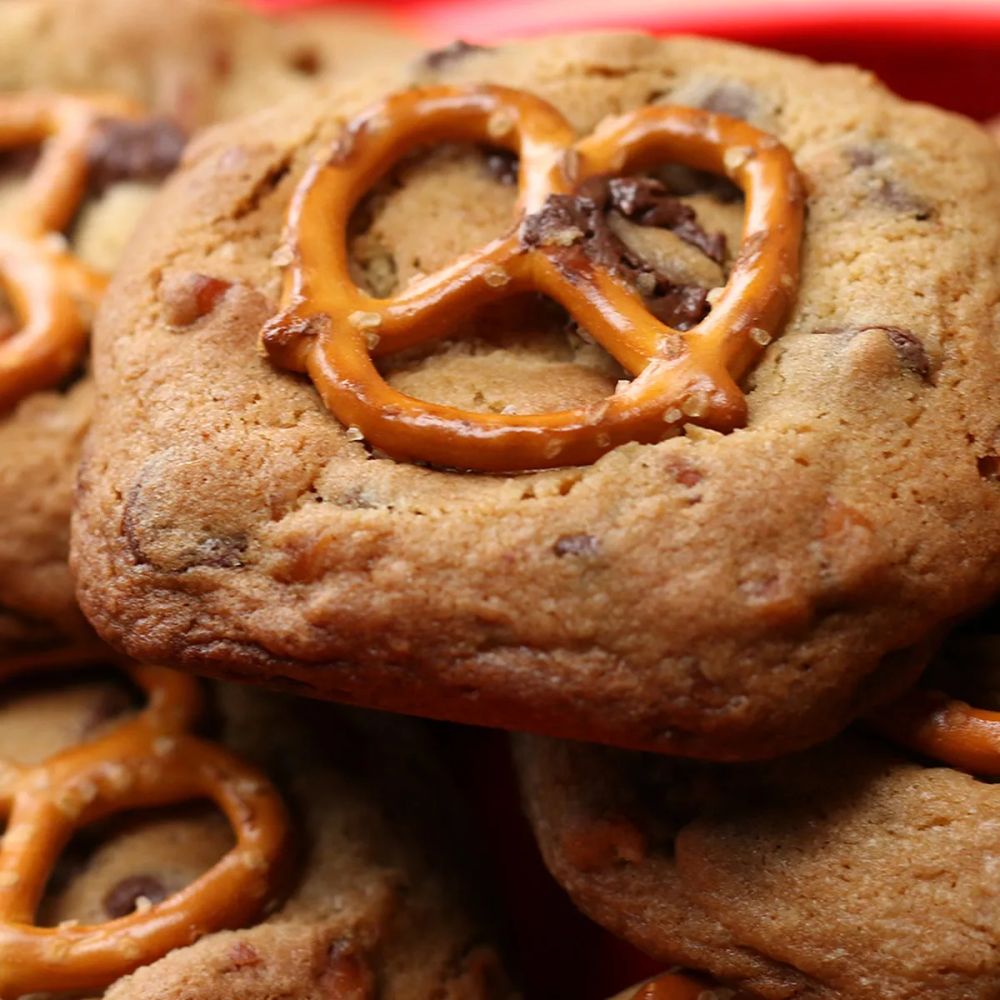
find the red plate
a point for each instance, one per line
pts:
(946, 53)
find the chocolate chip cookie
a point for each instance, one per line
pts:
(189, 64)
(849, 871)
(377, 891)
(724, 594)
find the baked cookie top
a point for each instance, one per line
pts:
(846, 871)
(727, 595)
(192, 62)
(373, 890)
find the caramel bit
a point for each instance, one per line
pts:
(190, 297)
(576, 545)
(125, 897)
(598, 843)
(132, 150)
(348, 975)
(243, 955)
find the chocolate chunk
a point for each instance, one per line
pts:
(454, 52)
(306, 61)
(900, 199)
(121, 900)
(19, 160)
(910, 349)
(734, 99)
(577, 228)
(648, 202)
(125, 150)
(503, 165)
(988, 467)
(576, 545)
(860, 157)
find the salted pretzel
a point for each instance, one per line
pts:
(333, 330)
(145, 761)
(50, 292)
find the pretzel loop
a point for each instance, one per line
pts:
(51, 293)
(331, 329)
(148, 761)
(944, 729)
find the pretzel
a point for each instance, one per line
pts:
(146, 761)
(675, 986)
(944, 729)
(331, 329)
(51, 293)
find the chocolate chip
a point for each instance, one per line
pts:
(576, 545)
(188, 297)
(456, 51)
(307, 62)
(909, 347)
(124, 150)
(121, 900)
(734, 99)
(860, 157)
(503, 166)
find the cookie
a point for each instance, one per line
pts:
(729, 595)
(377, 891)
(202, 61)
(848, 871)
(196, 62)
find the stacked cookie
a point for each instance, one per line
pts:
(635, 392)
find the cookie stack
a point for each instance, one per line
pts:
(638, 395)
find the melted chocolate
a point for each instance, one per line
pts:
(578, 224)
(124, 150)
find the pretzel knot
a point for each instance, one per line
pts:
(51, 294)
(332, 329)
(146, 761)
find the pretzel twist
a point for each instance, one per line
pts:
(51, 293)
(332, 329)
(147, 761)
